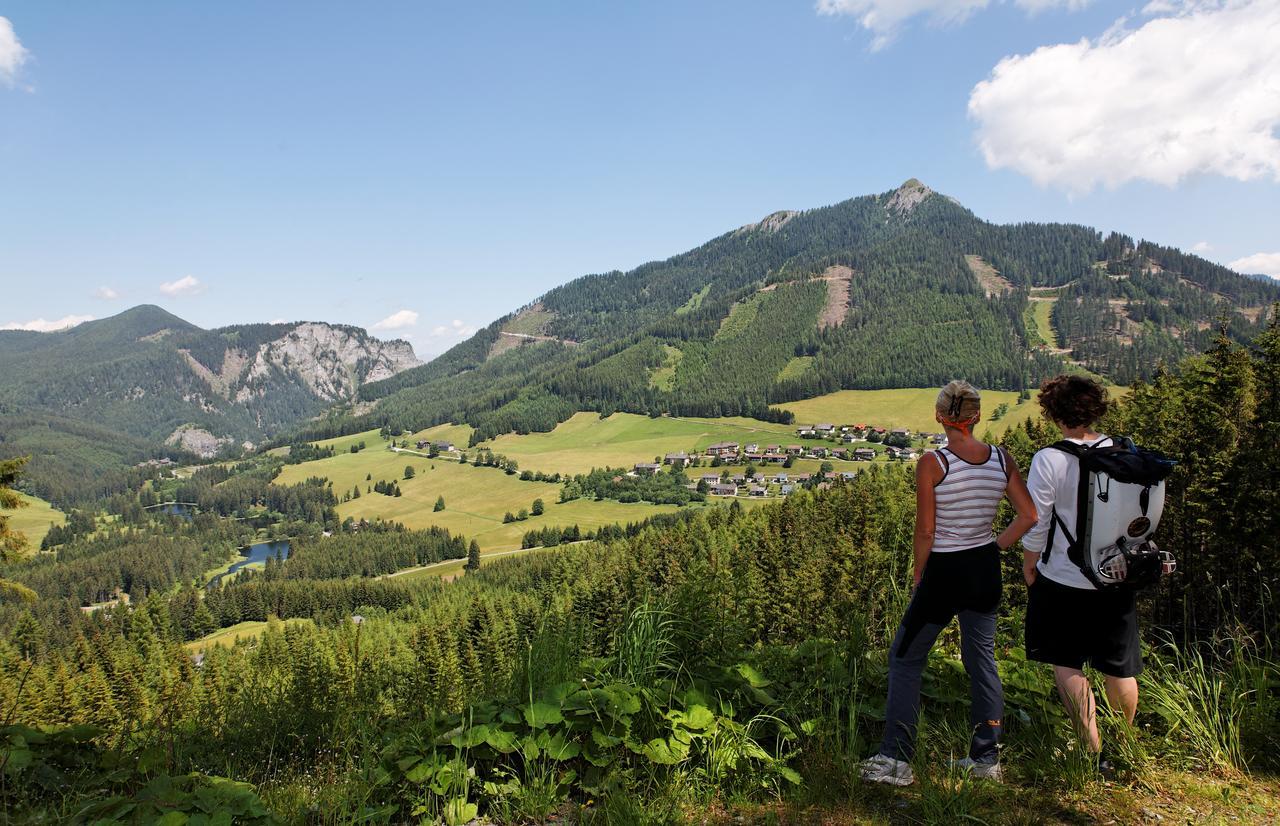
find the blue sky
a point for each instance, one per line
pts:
(441, 164)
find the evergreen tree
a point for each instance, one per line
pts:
(439, 506)
(473, 556)
(11, 541)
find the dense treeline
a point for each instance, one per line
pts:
(671, 488)
(218, 490)
(136, 561)
(370, 553)
(78, 463)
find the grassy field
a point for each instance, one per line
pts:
(1040, 322)
(454, 568)
(587, 441)
(227, 637)
(459, 434)
(910, 407)
(795, 368)
(476, 498)
(664, 377)
(34, 520)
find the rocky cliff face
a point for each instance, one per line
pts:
(332, 361)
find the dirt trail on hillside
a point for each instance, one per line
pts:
(837, 306)
(993, 283)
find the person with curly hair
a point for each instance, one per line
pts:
(1069, 621)
(956, 575)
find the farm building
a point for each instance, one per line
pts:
(678, 459)
(725, 450)
(723, 489)
(758, 490)
(647, 468)
(864, 454)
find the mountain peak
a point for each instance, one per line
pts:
(907, 197)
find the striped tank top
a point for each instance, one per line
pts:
(966, 500)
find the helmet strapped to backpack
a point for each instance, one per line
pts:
(1119, 502)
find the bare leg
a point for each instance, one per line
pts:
(1122, 694)
(1077, 696)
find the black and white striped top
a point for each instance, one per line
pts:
(966, 500)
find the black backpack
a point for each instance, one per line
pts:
(1118, 507)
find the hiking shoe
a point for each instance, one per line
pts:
(884, 769)
(987, 771)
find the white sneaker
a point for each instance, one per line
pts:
(881, 768)
(987, 771)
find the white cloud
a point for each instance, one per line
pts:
(186, 285)
(105, 294)
(40, 325)
(454, 329)
(12, 53)
(884, 18)
(1200, 247)
(397, 321)
(1197, 92)
(1267, 263)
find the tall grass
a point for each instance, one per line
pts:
(646, 646)
(1206, 700)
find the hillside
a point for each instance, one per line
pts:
(110, 393)
(902, 289)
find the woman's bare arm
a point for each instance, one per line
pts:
(1020, 498)
(928, 475)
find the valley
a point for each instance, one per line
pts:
(632, 553)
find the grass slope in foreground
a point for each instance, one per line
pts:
(34, 520)
(476, 498)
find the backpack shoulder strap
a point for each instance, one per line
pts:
(1082, 504)
(1070, 447)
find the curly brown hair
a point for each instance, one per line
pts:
(1073, 401)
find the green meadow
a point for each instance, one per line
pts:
(34, 520)
(227, 637)
(587, 441)
(910, 407)
(476, 498)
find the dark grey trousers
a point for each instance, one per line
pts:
(957, 588)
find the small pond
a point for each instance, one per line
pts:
(257, 552)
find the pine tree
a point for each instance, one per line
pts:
(11, 541)
(439, 506)
(473, 556)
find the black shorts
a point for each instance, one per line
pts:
(1072, 626)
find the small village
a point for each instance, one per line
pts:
(823, 442)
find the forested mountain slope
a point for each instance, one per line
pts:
(110, 393)
(906, 288)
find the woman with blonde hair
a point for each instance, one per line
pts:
(956, 574)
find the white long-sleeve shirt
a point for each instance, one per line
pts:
(1053, 482)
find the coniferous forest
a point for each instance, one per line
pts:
(741, 323)
(726, 659)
